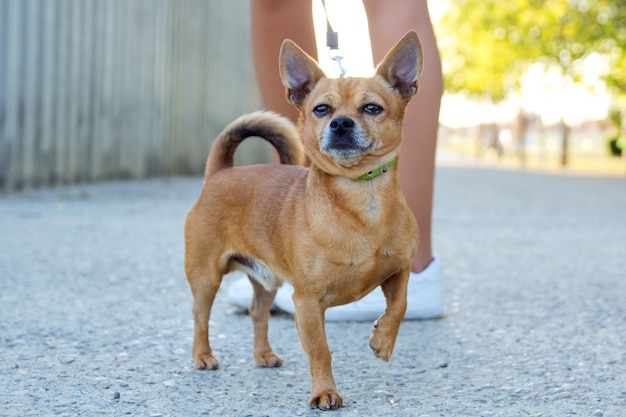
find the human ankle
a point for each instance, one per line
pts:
(420, 263)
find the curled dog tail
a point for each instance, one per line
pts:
(277, 130)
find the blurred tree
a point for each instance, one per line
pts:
(487, 44)
(611, 43)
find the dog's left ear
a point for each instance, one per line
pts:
(298, 71)
(403, 65)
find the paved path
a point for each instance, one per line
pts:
(95, 310)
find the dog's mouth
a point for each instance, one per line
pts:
(345, 142)
(346, 154)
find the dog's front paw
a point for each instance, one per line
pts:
(268, 360)
(205, 361)
(382, 343)
(326, 400)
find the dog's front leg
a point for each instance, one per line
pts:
(310, 324)
(386, 327)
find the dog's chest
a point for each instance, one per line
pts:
(380, 260)
(369, 243)
(360, 255)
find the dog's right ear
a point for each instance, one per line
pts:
(298, 71)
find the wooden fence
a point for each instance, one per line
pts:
(107, 89)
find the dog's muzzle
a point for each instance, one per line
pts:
(342, 136)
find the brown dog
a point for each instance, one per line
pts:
(335, 230)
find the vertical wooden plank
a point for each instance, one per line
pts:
(175, 136)
(168, 58)
(85, 91)
(145, 15)
(36, 93)
(173, 65)
(4, 143)
(141, 19)
(198, 155)
(118, 89)
(214, 66)
(138, 54)
(49, 87)
(78, 84)
(127, 133)
(151, 157)
(95, 108)
(62, 97)
(29, 49)
(11, 134)
(152, 67)
(159, 63)
(214, 100)
(193, 80)
(137, 87)
(107, 104)
(130, 137)
(117, 164)
(210, 83)
(71, 171)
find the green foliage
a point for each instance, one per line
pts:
(488, 44)
(616, 142)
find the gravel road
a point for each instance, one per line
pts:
(95, 311)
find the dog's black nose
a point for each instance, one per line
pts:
(341, 125)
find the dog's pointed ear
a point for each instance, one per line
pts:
(298, 72)
(403, 65)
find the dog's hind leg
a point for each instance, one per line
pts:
(259, 313)
(386, 327)
(204, 282)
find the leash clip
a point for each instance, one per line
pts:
(336, 55)
(332, 41)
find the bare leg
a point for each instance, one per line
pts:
(272, 22)
(388, 22)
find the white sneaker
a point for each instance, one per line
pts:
(424, 296)
(424, 299)
(240, 292)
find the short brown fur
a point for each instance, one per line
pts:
(333, 236)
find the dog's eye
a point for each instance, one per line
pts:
(372, 108)
(322, 110)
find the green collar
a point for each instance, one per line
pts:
(378, 171)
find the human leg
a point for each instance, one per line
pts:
(388, 22)
(272, 21)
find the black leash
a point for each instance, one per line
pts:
(332, 42)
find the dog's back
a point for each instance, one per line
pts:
(222, 237)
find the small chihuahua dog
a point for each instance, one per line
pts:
(336, 230)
